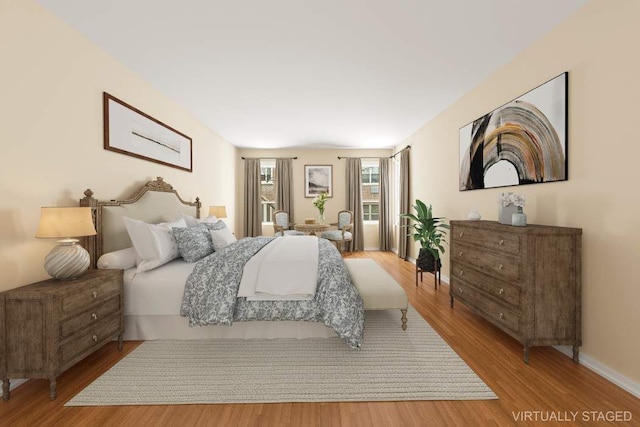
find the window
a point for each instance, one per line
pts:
(267, 189)
(371, 189)
(266, 174)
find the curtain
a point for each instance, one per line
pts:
(252, 205)
(404, 240)
(284, 178)
(384, 222)
(354, 201)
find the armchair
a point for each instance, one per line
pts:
(344, 232)
(281, 225)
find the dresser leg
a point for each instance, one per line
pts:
(526, 354)
(576, 354)
(5, 388)
(52, 389)
(404, 319)
(120, 342)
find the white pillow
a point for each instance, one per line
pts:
(154, 243)
(191, 220)
(222, 238)
(123, 259)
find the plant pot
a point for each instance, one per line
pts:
(426, 262)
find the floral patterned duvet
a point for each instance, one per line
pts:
(210, 295)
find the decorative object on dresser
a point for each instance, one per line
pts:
(522, 142)
(49, 326)
(474, 215)
(68, 260)
(430, 232)
(508, 205)
(524, 280)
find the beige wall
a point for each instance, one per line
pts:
(51, 84)
(598, 47)
(302, 206)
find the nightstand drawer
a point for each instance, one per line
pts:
(93, 293)
(497, 313)
(504, 291)
(90, 317)
(501, 242)
(89, 338)
(493, 264)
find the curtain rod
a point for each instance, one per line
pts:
(405, 148)
(269, 158)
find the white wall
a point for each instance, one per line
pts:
(597, 46)
(51, 84)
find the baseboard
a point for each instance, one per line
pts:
(603, 370)
(16, 383)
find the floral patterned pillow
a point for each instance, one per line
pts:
(194, 243)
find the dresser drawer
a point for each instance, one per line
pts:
(90, 317)
(93, 293)
(489, 239)
(493, 264)
(507, 292)
(498, 314)
(89, 338)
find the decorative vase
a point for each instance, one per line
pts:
(519, 219)
(474, 215)
(321, 217)
(505, 213)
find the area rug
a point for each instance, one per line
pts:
(392, 365)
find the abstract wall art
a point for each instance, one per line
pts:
(521, 142)
(129, 131)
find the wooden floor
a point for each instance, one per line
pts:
(551, 387)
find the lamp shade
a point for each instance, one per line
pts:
(65, 222)
(218, 211)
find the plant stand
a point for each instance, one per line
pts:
(437, 275)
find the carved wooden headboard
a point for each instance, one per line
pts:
(156, 201)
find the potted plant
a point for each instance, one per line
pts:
(430, 232)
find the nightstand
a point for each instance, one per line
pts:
(49, 326)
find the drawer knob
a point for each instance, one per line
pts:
(94, 338)
(461, 253)
(500, 267)
(460, 290)
(501, 242)
(501, 315)
(94, 294)
(94, 316)
(461, 272)
(461, 233)
(501, 291)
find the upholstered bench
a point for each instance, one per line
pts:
(378, 289)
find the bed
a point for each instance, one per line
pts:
(155, 299)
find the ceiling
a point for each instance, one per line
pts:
(325, 74)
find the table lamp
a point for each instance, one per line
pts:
(68, 260)
(218, 211)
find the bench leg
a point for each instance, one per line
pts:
(404, 319)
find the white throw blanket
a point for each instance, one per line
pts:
(285, 269)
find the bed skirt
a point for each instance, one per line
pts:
(177, 328)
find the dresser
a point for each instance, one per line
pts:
(524, 280)
(49, 326)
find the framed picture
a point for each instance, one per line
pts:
(129, 131)
(318, 179)
(521, 142)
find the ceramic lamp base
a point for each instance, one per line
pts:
(67, 261)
